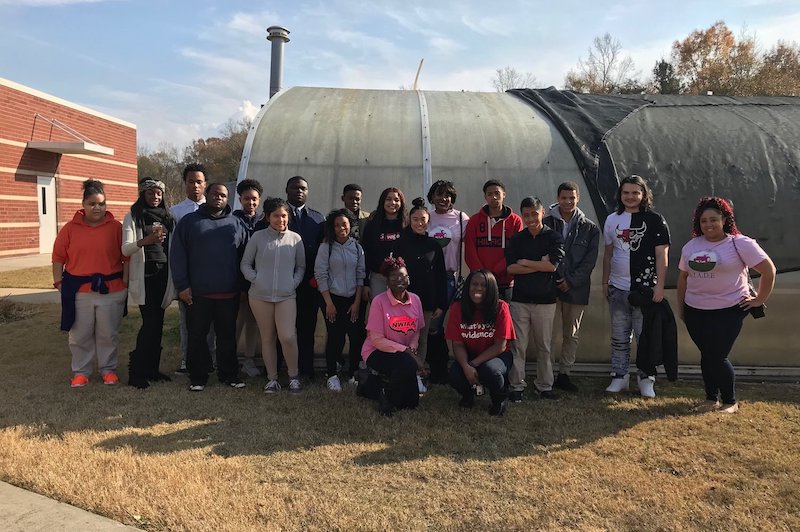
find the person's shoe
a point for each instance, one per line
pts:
(249, 368)
(706, 406)
(421, 385)
(197, 387)
(498, 409)
(353, 381)
(160, 377)
(334, 384)
(563, 382)
(79, 381)
(467, 401)
(515, 396)
(234, 382)
(272, 387)
(295, 386)
(138, 382)
(729, 409)
(646, 385)
(182, 369)
(110, 378)
(619, 384)
(549, 394)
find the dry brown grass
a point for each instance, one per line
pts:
(38, 277)
(167, 459)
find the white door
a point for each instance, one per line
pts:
(48, 225)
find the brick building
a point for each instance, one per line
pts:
(48, 147)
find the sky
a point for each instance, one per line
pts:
(181, 69)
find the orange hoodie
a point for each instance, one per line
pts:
(85, 250)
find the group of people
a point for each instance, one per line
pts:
(391, 282)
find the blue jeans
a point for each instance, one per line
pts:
(626, 321)
(437, 326)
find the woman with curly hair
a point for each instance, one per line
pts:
(714, 294)
(381, 233)
(393, 328)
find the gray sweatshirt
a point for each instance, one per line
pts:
(274, 263)
(340, 269)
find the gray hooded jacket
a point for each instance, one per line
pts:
(581, 248)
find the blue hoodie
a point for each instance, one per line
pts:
(206, 251)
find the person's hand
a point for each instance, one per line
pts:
(365, 294)
(353, 311)
(330, 312)
(186, 296)
(152, 238)
(750, 302)
(563, 285)
(471, 374)
(605, 291)
(436, 314)
(658, 294)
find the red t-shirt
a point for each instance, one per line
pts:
(479, 336)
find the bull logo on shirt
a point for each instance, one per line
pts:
(403, 324)
(631, 237)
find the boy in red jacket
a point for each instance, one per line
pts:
(488, 232)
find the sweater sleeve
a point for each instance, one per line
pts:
(361, 267)
(470, 245)
(178, 261)
(129, 247)
(246, 264)
(581, 273)
(300, 263)
(61, 245)
(321, 266)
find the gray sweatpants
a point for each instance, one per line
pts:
(95, 332)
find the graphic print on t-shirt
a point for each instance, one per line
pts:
(703, 261)
(474, 331)
(442, 235)
(631, 238)
(403, 324)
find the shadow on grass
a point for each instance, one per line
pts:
(167, 418)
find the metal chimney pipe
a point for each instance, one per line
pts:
(277, 35)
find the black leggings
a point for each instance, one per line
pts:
(340, 328)
(714, 332)
(146, 357)
(401, 371)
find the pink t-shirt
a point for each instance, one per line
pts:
(717, 275)
(393, 326)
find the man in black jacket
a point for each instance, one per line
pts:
(573, 277)
(533, 256)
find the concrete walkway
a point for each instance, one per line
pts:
(22, 510)
(9, 264)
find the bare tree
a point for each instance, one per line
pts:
(604, 71)
(509, 78)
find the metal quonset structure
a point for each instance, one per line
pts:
(533, 140)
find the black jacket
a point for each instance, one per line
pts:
(658, 343)
(538, 287)
(424, 260)
(580, 256)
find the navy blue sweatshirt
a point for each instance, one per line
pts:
(206, 252)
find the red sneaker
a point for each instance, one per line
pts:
(79, 381)
(110, 378)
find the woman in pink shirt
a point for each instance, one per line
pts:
(393, 327)
(714, 294)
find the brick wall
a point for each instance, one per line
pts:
(20, 166)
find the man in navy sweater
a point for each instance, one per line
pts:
(204, 259)
(309, 224)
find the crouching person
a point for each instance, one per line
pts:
(480, 327)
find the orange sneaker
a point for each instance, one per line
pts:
(79, 381)
(110, 378)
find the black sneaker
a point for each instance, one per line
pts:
(498, 409)
(467, 401)
(563, 382)
(549, 394)
(234, 382)
(515, 396)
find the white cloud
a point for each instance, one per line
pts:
(445, 45)
(47, 3)
(484, 25)
(248, 111)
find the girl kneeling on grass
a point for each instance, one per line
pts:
(339, 270)
(393, 328)
(274, 262)
(480, 327)
(92, 275)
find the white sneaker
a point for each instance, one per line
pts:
(352, 381)
(619, 384)
(295, 386)
(272, 387)
(421, 385)
(334, 384)
(646, 387)
(249, 367)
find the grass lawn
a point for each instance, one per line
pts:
(39, 277)
(224, 459)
